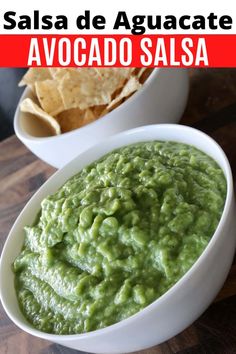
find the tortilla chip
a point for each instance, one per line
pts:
(27, 105)
(58, 73)
(140, 72)
(88, 87)
(109, 72)
(89, 116)
(98, 111)
(34, 75)
(53, 71)
(70, 119)
(49, 96)
(75, 118)
(130, 87)
(136, 71)
(78, 96)
(144, 74)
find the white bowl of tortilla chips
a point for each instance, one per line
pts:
(64, 111)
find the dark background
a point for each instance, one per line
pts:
(9, 97)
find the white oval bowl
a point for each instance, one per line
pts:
(161, 99)
(179, 306)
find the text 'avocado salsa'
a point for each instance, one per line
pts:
(118, 235)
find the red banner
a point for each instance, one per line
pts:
(118, 50)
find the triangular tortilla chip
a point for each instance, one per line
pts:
(89, 87)
(49, 96)
(144, 74)
(130, 87)
(27, 105)
(75, 118)
(34, 75)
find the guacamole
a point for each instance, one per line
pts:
(118, 235)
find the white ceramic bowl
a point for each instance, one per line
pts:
(162, 99)
(180, 305)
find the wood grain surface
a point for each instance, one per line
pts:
(212, 109)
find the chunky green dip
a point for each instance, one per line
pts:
(117, 236)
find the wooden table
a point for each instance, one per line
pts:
(212, 95)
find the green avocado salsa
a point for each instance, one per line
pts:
(118, 235)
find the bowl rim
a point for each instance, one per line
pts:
(21, 133)
(194, 268)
